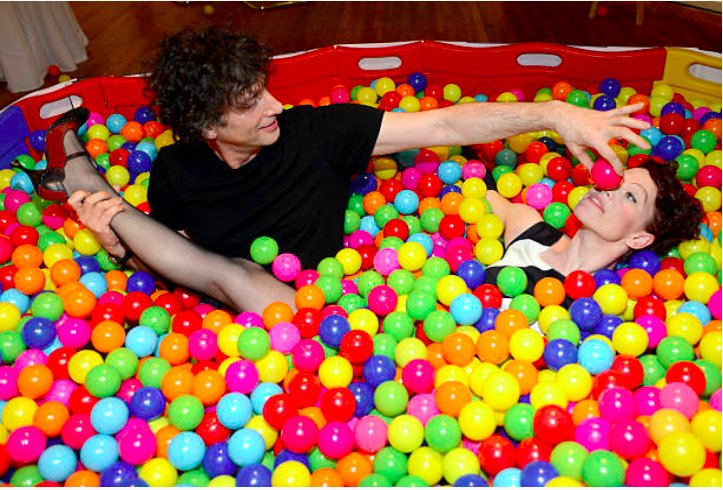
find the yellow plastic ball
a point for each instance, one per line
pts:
(81, 363)
(662, 90)
(85, 242)
(9, 316)
(350, 260)
(667, 421)
(709, 197)
(408, 350)
(225, 364)
(363, 319)
(685, 325)
(480, 375)
(625, 94)
(449, 287)
(710, 347)
(507, 97)
(118, 175)
(426, 463)
(409, 103)
(520, 142)
(385, 168)
(707, 477)
(549, 315)
(55, 253)
(384, 85)
(406, 433)
(697, 154)
(714, 158)
(135, 194)
(158, 423)
(548, 393)
(575, 381)
(700, 286)
(477, 420)
(442, 152)
(158, 472)
(490, 226)
(273, 367)
(526, 345)
(488, 250)
(266, 431)
(472, 210)
(612, 298)
(682, 454)
(706, 425)
(450, 372)
(366, 96)
(291, 474)
(164, 139)
(458, 462)
(222, 481)
(530, 173)
(501, 391)
(335, 372)
(509, 185)
(563, 481)
(474, 187)
(656, 105)
(630, 339)
(5, 176)
(19, 412)
(228, 339)
(690, 247)
(411, 256)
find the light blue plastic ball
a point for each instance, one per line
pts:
(406, 201)
(21, 182)
(466, 309)
(698, 309)
(109, 415)
(115, 123)
(99, 452)
(95, 282)
(449, 172)
(263, 392)
(424, 240)
(17, 298)
(595, 356)
(57, 463)
(142, 340)
(367, 224)
(186, 451)
(509, 477)
(234, 410)
(246, 447)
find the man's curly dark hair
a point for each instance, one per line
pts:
(677, 214)
(200, 74)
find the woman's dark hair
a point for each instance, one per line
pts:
(200, 74)
(677, 214)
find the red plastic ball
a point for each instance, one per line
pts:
(119, 156)
(211, 430)
(357, 346)
(559, 169)
(631, 370)
(451, 226)
(367, 253)
(489, 295)
(580, 175)
(338, 404)
(24, 234)
(675, 263)
(532, 449)
(188, 299)
(58, 360)
(169, 302)
(305, 389)
(648, 305)
(606, 379)
(390, 188)
(553, 424)
(134, 304)
(495, 454)
(186, 322)
(434, 90)
(579, 284)
(77, 430)
(397, 228)
(278, 409)
(689, 373)
(80, 401)
(535, 151)
(307, 320)
(7, 276)
(429, 185)
(107, 311)
(708, 175)
(671, 123)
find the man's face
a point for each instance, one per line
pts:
(250, 125)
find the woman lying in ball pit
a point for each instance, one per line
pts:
(239, 176)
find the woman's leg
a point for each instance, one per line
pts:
(238, 283)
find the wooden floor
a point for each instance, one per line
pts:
(123, 35)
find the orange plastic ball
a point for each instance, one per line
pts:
(458, 348)
(215, 320)
(493, 346)
(164, 436)
(585, 409)
(35, 381)
(428, 103)
(373, 201)
(326, 477)
(116, 280)
(451, 396)
(714, 126)
(637, 283)
(51, 417)
(637, 98)
(315, 414)
(561, 90)
(29, 280)
(107, 336)
(132, 131)
(525, 373)
(64, 271)
(152, 129)
(174, 349)
(714, 221)
(352, 469)
(404, 89)
(83, 478)
(668, 284)
(96, 147)
(427, 203)
(510, 321)
(450, 203)
(435, 355)
(176, 382)
(208, 386)
(79, 302)
(277, 312)
(27, 255)
(549, 291)
(310, 296)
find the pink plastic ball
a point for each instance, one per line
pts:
(519, 94)
(8, 382)
(299, 434)
(644, 472)
(74, 332)
(539, 195)
(340, 95)
(94, 119)
(284, 336)
(77, 430)
(359, 238)
(203, 309)
(439, 251)
(605, 176)
(242, 377)
(617, 404)
(14, 199)
(30, 357)
(370, 433)
(336, 440)
(26, 444)
(700, 112)
(382, 300)
(474, 168)
(136, 442)
(423, 407)
(418, 376)
(410, 178)
(426, 161)
(593, 433)
(307, 355)
(439, 240)
(348, 287)
(203, 344)
(60, 391)
(647, 400)
(306, 277)
(114, 297)
(249, 319)
(629, 439)
(128, 388)
(286, 267)
(385, 261)
(714, 305)
(459, 242)
(655, 328)
(681, 397)
(716, 400)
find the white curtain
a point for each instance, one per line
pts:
(35, 35)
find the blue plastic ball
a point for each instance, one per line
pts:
(417, 80)
(38, 332)
(537, 474)
(378, 369)
(22, 301)
(21, 182)
(586, 313)
(263, 392)
(87, 263)
(37, 140)
(57, 463)
(119, 474)
(139, 161)
(246, 447)
(148, 403)
(99, 452)
(363, 183)
(234, 410)
(217, 462)
(558, 353)
(368, 224)
(471, 481)
(109, 415)
(364, 396)
(472, 272)
(595, 356)
(144, 114)
(186, 451)
(449, 172)
(652, 134)
(148, 148)
(333, 328)
(141, 340)
(673, 108)
(606, 276)
(607, 325)
(286, 455)
(255, 475)
(610, 87)
(697, 309)
(142, 282)
(646, 260)
(449, 188)
(128, 145)
(669, 147)
(509, 477)
(466, 309)
(604, 103)
(487, 320)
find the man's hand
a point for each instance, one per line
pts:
(96, 210)
(583, 128)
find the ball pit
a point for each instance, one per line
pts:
(397, 364)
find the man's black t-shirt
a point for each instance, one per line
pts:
(294, 191)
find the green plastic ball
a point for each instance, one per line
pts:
(194, 478)
(518, 421)
(390, 463)
(564, 329)
(124, 361)
(331, 287)
(367, 281)
(512, 281)
(556, 214)
(438, 325)
(356, 204)
(157, 318)
(401, 281)
(392, 242)
(652, 369)
(28, 214)
(673, 349)
(527, 305)
(264, 250)
(399, 325)
(317, 460)
(152, 371)
(351, 302)
(603, 469)
(436, 267)
(11, 346)
(103, 381)
(431, 217)
(391, 398)
(375, 480)
(687, 166)
(26, 476)
(703, 140)
(411, 481)
(568, 458)
(384, 345)
(329, 266)
(385, 213)
(420, 304)
(185, 412)
(712, 374)
(442, 433)
(47, 305)
(352, 220)
(254, 343)
(700, 262)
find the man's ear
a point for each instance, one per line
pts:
(640, 240)
(210, 133)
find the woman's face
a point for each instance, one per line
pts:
(624, 213)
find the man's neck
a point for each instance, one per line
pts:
(233, 156)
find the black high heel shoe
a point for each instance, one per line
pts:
(48, 183)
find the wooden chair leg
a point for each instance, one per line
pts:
(639, 10)
(593, 10)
